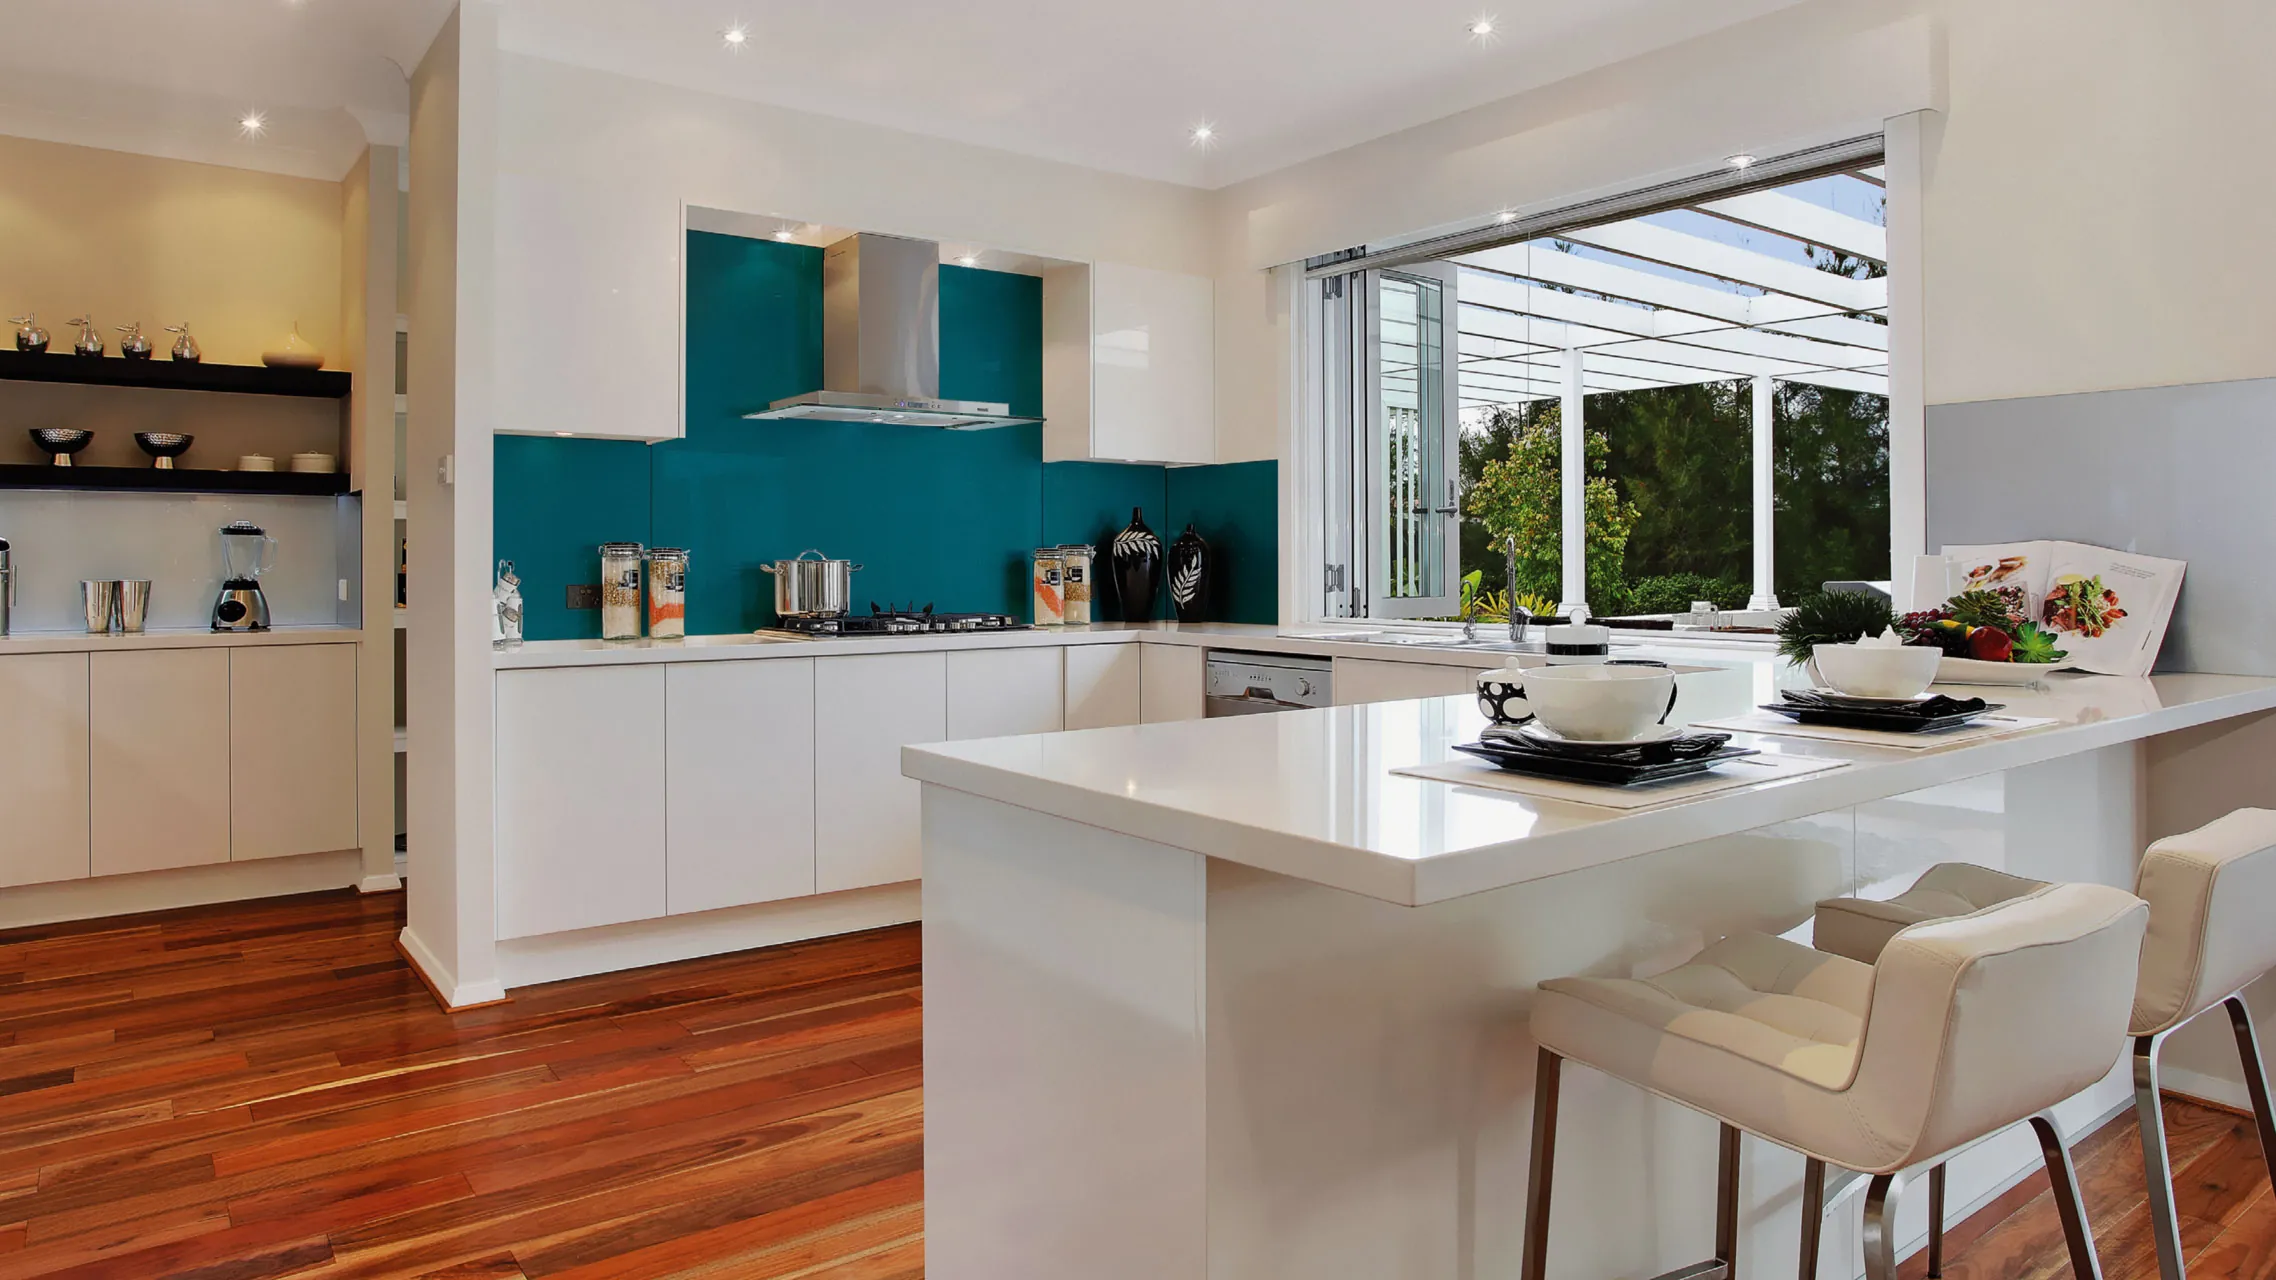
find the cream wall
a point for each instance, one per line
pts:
(238, 254)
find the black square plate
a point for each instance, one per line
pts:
(1882, 721)
(1595, 770)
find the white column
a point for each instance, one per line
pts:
(1765, 593)
(1573, 454)
(1910, 140)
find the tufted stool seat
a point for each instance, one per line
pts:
(2212, 896)
(1965, 1026)
(1859, 927)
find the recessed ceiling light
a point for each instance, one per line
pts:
(1482, 28)
(786, 234)
(1506, 216)
(564, 434)
(1742, 160)
(253, 124)
(968, 260)
(736, 37)
(1204, 134)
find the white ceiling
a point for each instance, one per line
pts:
(175, 77)
(1109, 86)
(1118, 86)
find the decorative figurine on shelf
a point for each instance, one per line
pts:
(30, 337)
(89, 342)
(185, 347)
(1191, 576)
(296, 353)
(1137, 556)
(506, 607)
(134, 346)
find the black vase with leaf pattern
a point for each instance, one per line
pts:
(1137, 558)
(1191, 576)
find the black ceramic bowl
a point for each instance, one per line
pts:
(163, 445)
(61, 442)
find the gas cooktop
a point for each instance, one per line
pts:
(889, 621)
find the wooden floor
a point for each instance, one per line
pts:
(265, 1089)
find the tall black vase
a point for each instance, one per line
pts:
(1192, 576)
(1137, 557)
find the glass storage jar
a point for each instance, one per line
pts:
(620, 590)
(667, 593)
(1050, 608)
(1075, 584)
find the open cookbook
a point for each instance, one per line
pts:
(2108, 609)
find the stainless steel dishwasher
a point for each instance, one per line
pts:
(1247, 684)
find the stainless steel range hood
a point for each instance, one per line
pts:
(881, 342)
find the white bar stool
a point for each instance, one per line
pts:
(2212, 896)
(1964, 1027)
(1858, 928)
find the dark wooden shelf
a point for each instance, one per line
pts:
(169, 375)
(44, 475)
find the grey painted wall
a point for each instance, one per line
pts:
(2184, 472)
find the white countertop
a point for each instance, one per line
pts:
(1324, 640)
(1310, 794)
(171, 638)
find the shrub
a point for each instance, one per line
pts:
(1675, 592)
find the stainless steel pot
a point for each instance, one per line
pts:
(816, 588)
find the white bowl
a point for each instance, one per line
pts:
(1584, 703)
(1904, 671)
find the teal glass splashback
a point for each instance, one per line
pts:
(945, 517)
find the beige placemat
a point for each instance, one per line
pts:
(1746, 771)
(1990, 726)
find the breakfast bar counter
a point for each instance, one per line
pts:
(1231, 998)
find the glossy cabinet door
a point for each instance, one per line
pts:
(580, 798)
(1129, 364)
(998, 693)
(157, 759)
(865, 813)
(589, 310)
(1173, 686)
(292, 750)
(738, 782)
(1360, 680)
(1103, 685)
(43, 767)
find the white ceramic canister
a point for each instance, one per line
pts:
(1050, 599)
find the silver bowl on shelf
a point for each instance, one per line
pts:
(61, 442)
(163, 446)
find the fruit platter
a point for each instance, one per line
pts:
(1987, 637)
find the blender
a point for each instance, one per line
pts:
(247, 551)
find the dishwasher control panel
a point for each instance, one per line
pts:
(1246, 683)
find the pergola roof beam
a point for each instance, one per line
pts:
(1660, 294)
(1735, 344)
(1782, 214)
(1729, 262)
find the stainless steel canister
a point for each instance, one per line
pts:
(100, 599)
(133, 605)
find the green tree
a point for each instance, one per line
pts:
(1519, 495)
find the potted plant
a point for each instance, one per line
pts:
(1831, 617)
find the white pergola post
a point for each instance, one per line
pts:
(1573, 455)
(1765, 592)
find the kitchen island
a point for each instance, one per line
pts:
(1232, 999)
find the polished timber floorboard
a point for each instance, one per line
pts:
(265, 1089)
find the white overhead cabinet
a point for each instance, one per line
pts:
(739, 782)
(1129, 365)
(158, 759)
(43, 767)
(588, 309)
(865, 813)
(580, 793)
(292, 750)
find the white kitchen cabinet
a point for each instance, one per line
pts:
(1360, 680)
(738, 782)
(1173, 683)
(998, 693)
(292, 750)
(1129, 364)
(157, 759)
(1104, 685)
(43, 767)
(588, 309)
(580, 798)
(865, 813)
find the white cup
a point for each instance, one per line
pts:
(1585, 703)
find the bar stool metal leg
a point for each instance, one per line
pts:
(1881, 1196)
(2255, 1078)
(2084, 1264)
(1813, 1215)
(2157, 1165)
(1936, 1223)
(1727, 1202)
(1546, 1077)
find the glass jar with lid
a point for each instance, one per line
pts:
(667, 593)
(1050, 606)
(1075, 584)
(620, 590)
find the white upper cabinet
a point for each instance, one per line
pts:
(1129, 365)
(588, 309)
